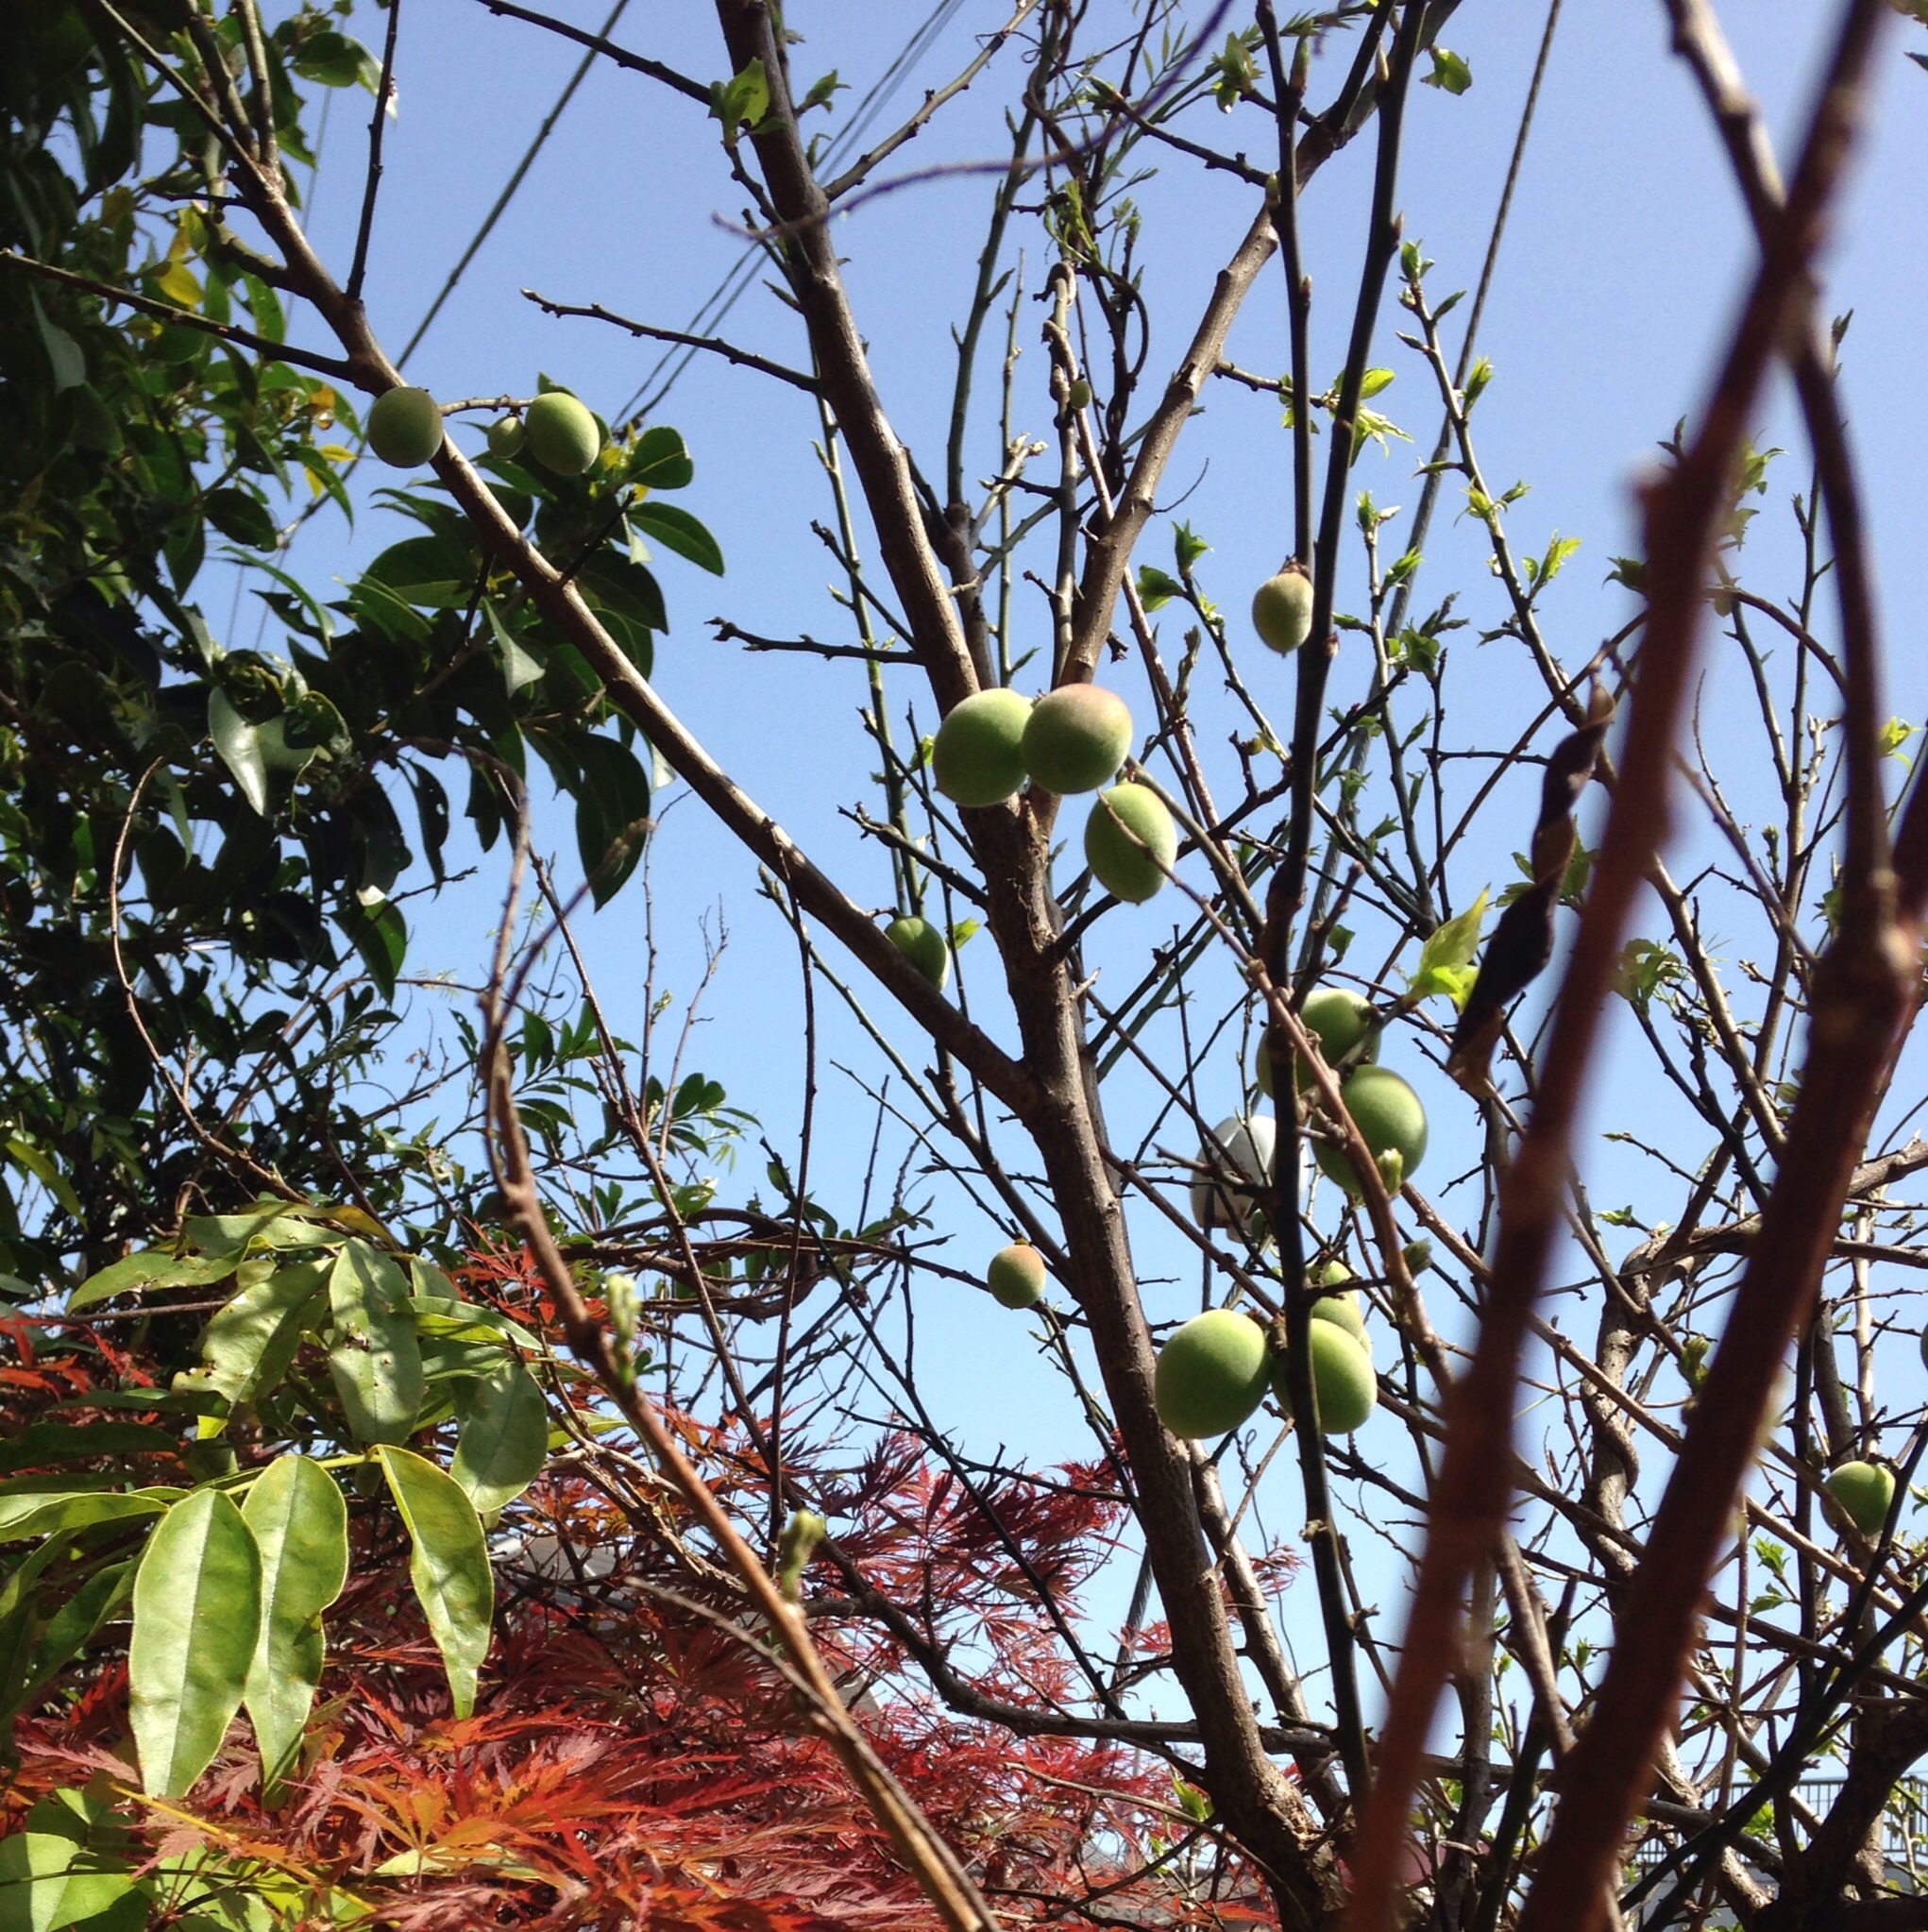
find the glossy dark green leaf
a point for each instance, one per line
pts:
(659, 459)
(197, 1603)
(611, 814)
(450, 1567)
(240, 514)
(300, 1525)
(429, 572)
(68, 1442)
(676, 530)
(503, 1437)
(380, 934)
(238, 746)
(376, 1361)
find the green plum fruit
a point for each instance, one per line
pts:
(563, 436)
(925, 945)
(1339, 1305)
(1226, 1191)
(1391, 1123)
(1865, 1491)
(506, 438)
(978, 759)
(1341, 1019)
(405, 428)
(1345, 1390)
(1211, 1373)
(1016, 1275)
(1283, 609)
(1130, 842)
(1076, 737)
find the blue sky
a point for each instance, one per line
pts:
(1620, 272)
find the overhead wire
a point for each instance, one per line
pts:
(514, 181)
(656, 386)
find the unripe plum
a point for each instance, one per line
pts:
(506, 437)
(1339, 1305)
(1340, 1018)
(1283, 609)
(1016, 1275)
(1390, 1120)
(925, 945)
(1130, 842)
(405, 428)
(1864, 1490)
(563, 436)
(978, 759)
(1345, 1390)
(1211, 1373)
(1226, 1194)
(1076, 737)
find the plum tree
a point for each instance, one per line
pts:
(1130, 842)
(1390, 1120)
(978, 759)
(1211, 1373)
(1345, 1390)
(563, 434)
(1865, 1491)
(925, 945)
(1282, 608)
(1076, 737)
(405, 428)
(1016, 1275)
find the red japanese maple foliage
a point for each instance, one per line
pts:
(635, 1759)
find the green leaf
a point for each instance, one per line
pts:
(659, 461)
(67, 1442)
(429, 572)
(73, 1624)
(197, 1605)
(677, 530)
(249, 1344)
(520, 664)
(29, 1157)
(450, 1567)
(300, 1524)
(380, 934)
(1156, 587)
(742, 100)
(238, 746)
(74, 1510)
(1446, 961)
(504, 1437)
(612, 813)
(376, 1361)
(22, 1496)
(47, 1881)
(156, 1268)
(240, 514)
(1448, 71)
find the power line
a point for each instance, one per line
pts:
(650, 392)
(514, 181)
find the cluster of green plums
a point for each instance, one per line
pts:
(1214, 1370)
(560, 432)
(1072, 740)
